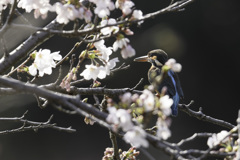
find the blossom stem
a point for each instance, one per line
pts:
(78, 44)
(12, 71)
(114, 144)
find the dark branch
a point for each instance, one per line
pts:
(32, 125)
(201, 116)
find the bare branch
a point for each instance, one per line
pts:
(32, 125)
(193, 137)
(201, 116)
(102, 91)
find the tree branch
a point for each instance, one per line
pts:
(32, 125)
(27, 46)
(201, 116)
(76, 33)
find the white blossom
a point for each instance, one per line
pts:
(175, 67)
(65, 12)
(125, 119)
(94, 72)
(125, 6)
(128, 51)
(147, 99)
(112, 116)
(165, 104)
(41, 7)
(33, 69)
(120, 117)
(105, 70)
(105, 52)
(137, 14)
(44, 62)
(111, 29)
(136, 137)
(216, 138)
(103, 7)
(87, 15)
(163, 132)
(4, 3)
(120, 43)
(126, 98)
(91, 72)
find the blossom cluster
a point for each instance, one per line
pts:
(122, 118)
(70, 10)
(101, 53)
(135, 106)
(226, 142)
(173, 65)
(131, 154)
(44, 61)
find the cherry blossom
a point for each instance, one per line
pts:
(91, 72)
(125, 119)
(94, 72)
(65, 12)
(128, 51)
(126, 98)
(120, 43)
(103, 7)
(125, 6)
(44, 62)
(104, 71)
(111, 29)
(165, 104)
(120, 117)
(163, 132)
(104, 51)
(147, 100)
(41, 7)
(85, 14)
(137, 14)
(112, 118)
(4, 3)
(136, 137)
(175, 67)
(216, 138)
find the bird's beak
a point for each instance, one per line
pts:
(141, 59)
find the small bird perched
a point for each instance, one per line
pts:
(158, 58)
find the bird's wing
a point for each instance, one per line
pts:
(167, 82)
(178, 84)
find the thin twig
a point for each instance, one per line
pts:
(193, 137)
(75, 47)
(12, 71)
(115, 146)
(32, 124)
(139, 83)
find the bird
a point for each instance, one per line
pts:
(158, 58)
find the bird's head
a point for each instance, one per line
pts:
(156, 57)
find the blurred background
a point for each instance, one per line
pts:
(204, 38)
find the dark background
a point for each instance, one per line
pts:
(204, 38)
